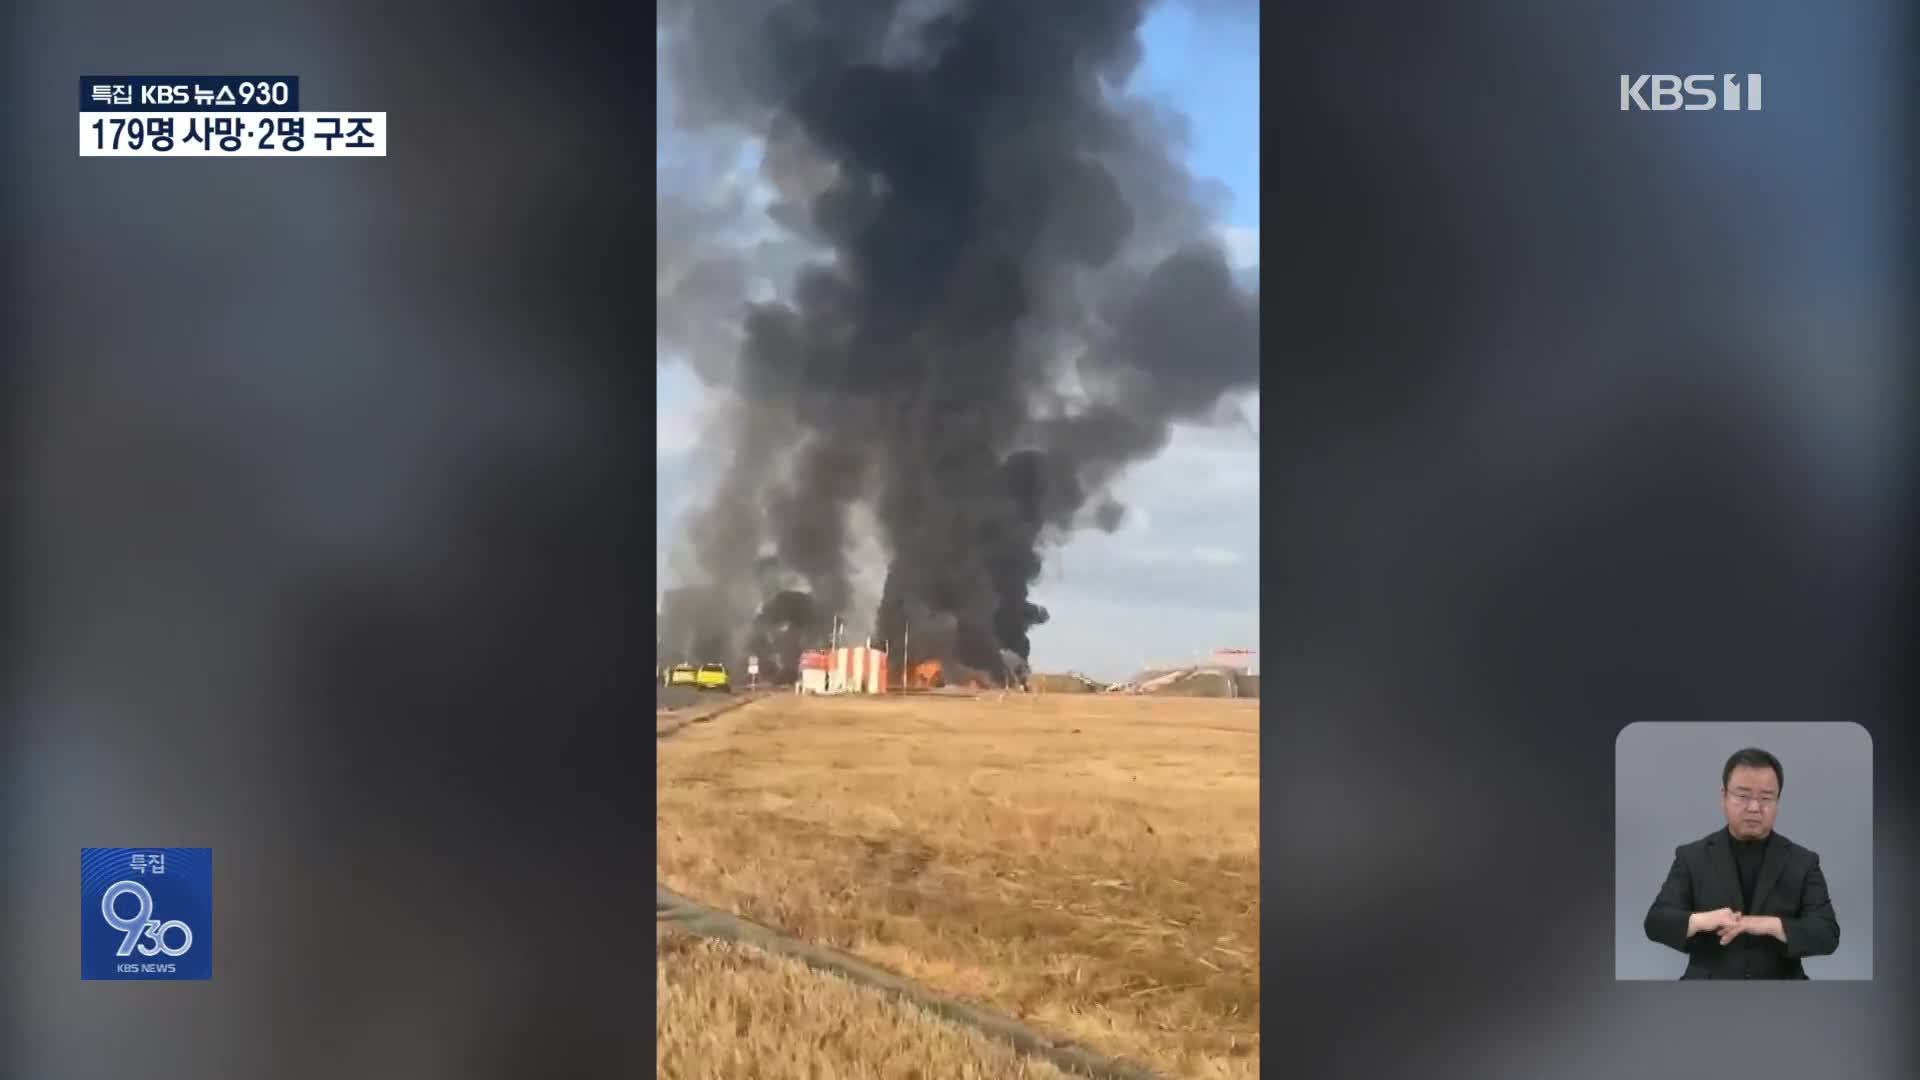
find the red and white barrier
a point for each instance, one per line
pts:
(814, 665)
(858, 669)
(850, 669)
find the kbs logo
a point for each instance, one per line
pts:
(163, 94)
(1666, 93)
(146, 913)
(139, 926)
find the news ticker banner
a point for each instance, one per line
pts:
(218, 116)
(146, 913)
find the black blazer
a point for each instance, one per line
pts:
(1790, 885)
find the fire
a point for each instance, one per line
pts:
(932, 674)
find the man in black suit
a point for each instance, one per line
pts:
(1745, 902)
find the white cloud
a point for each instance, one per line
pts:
(682, 407)
(1215, 556)
(1242, 245)
(677, 433)
(1215, 466)
(1135, 555)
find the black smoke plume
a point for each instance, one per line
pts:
(1012, 291)
(693, 626)
(788, 624)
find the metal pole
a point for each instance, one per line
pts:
(906, 651)
(833, 655)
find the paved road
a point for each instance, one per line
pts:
(668, 721)
(686, 696)
(680, 697)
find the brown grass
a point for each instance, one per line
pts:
(1088, 863)
(726, 1010)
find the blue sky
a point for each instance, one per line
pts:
(1182, 575)
(1208, 66)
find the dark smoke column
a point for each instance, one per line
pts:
(1023, 296)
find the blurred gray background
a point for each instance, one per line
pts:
(1667, 793)
(327, 530)
(1575, 417)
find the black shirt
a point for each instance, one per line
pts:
(1747, 856)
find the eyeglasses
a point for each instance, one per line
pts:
(1742, 798)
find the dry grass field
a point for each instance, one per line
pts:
(732, 1012)
(1087, 863)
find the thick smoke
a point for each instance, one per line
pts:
(1017, 293)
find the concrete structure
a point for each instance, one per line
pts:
(849, 669)
(814, 664)
(858, 669)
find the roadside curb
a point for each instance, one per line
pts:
(699, 919)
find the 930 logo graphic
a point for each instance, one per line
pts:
(146, 913)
